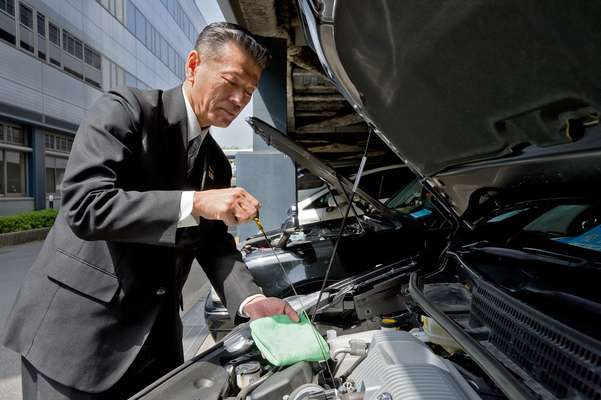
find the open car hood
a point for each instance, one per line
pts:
(461, 91)
(304, 158)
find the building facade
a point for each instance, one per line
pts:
(56, 58)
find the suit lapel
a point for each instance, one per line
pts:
(174, 111)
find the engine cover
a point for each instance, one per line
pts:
(406, 368)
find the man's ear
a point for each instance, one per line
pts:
(192, 62)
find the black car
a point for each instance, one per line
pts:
(371, 237)
(496, 107)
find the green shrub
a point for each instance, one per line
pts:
(29, 220)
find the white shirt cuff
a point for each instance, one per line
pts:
(246, 300)
(185, 210)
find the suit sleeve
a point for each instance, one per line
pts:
(94, 206)
(229, 275)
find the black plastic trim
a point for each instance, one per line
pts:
(513, 388)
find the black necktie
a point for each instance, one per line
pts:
(193, 147)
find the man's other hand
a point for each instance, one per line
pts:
(233, 205)
(267, 306)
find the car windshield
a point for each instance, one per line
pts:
(411, 196)
(577, 225)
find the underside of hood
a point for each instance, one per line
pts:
(304, 158)
(447, 82)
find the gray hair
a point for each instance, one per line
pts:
(215, 35)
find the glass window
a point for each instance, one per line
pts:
(8, 6)
(119, 11)
(92, 57)
(14, 135)
(58, 142)
(41, 25)
(120, 76)
(157, 45)
(61, 143)
(55, 171)
(61, 164)
(50, 180)
(178, 15)
(172, 56)
(65, 41)
(26, 16)
(2, 180)
(113, 74)
(164, 51)
(49, 141)
(54, 34)
(1, 133)
(15, 172)
(148, 41)
(130, 80)
(140, 26)
(78, 48)
(72, 45)
(130, 16)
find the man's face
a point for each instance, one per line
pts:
(220, 87)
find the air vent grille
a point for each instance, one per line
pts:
(562, 359)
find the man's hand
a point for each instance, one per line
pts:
(233, 205)
(267, 306)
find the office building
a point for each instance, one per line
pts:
(56, 58)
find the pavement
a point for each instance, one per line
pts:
(14, 263)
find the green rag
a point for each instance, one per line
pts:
(284, 342)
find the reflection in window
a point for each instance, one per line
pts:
(92, 57)
(15, 173)
(72, 45)
(12, 134)
(130, 17)
(26, 16)
(8, 6)
(140, 26)
(54, 34)
(41, 25)
(59, 142)
(55, 171)
(2, 188)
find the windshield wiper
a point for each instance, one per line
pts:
(579, 302)
(533, 254)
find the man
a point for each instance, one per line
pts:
(146, 190)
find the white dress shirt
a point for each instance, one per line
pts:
(187, 200)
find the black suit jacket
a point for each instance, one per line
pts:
(114, 256)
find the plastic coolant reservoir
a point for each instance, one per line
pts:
(247, 373)
(433, 332)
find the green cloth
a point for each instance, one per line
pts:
(284, 342)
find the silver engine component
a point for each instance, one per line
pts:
(399, 366)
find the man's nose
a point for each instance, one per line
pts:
(237, 98)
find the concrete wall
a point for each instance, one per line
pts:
(10, 206)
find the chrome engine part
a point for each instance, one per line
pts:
(399, 366)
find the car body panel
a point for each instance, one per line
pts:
(426, 81)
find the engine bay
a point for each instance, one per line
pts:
(386, 349)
